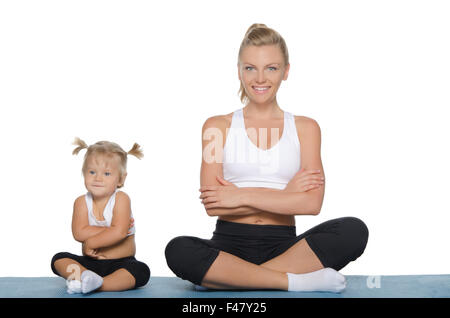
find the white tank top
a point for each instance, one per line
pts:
(246, 165)
(107, 212)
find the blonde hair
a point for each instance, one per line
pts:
(259, 34)
(109, 149)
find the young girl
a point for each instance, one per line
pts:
(103, 222)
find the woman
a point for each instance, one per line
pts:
(256, 191)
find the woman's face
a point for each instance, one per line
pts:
(261, 70)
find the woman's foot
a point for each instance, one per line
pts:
(326, 279)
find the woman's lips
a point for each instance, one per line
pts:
(260, 89)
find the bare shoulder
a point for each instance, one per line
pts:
(306, 126)
(303, 120)
(80, 210)
(122, 197)
(79, 202)
(219, 121)
(122, 204)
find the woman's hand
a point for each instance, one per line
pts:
(226, 195)
(305, 180)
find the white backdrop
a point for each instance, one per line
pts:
(373, 74)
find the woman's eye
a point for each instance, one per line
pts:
(248, 68)
(272, 68)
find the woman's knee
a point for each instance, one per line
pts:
(177, 250)
(340, 241)
(185, 255)
(356, 235)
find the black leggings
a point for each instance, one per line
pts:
(104, 267)
(335, 242)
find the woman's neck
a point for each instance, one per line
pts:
(263, 111)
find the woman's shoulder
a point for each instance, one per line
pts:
(306, 126)
(304, 119)
(305, 122)
(219, 121)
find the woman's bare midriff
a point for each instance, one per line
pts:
(124, 248)
(262, 218)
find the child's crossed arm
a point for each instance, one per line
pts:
(95, 237)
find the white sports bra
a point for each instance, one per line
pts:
(107, 212)
(246, 165)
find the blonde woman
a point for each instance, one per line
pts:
(261, 167)
(103, 222)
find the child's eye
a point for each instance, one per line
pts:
(91, 172)
(107, 173)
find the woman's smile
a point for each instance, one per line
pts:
(260, 89)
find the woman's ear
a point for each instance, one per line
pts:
(239, 71)
(286, 71)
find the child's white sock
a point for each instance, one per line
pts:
(326, 279)
(73, 286)
(90, 281)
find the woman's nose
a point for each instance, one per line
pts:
(261, 77)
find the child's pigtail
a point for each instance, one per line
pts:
(136, 151)
(81, 145)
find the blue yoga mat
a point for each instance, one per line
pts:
(407, 286)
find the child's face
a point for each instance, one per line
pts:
(102, 175)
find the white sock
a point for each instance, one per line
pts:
(90, 281)
(73, 286)
(326, 279)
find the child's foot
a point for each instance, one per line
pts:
(326, 279)
(90, 281)
(73, 286)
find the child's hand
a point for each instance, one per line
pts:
(88, 251)
(94, 253)
(131, 225)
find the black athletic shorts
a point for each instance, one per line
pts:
(335, 242)
(104, 267)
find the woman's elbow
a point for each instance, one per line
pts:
(311, 210)
(318, 206)
(314, 206)
(316, 210)
(212, 212)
